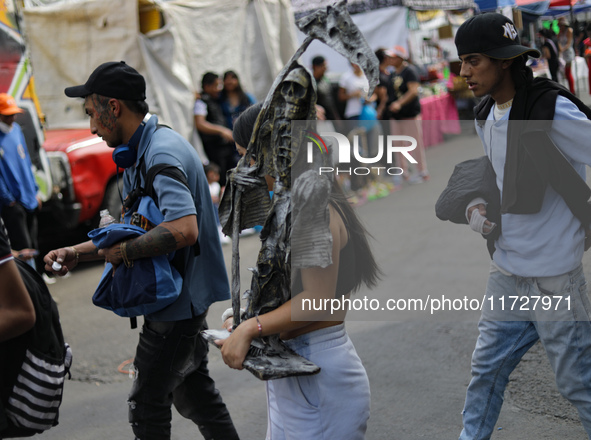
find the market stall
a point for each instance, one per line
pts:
(440, 117)
(172, 43)
(432, 24)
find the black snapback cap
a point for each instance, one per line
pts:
(493, 35)
(114, 79)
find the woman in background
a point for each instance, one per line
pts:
(234, 100)
(550, 52)
(567, 52)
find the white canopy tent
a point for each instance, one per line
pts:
(68, 39)
(384, 27)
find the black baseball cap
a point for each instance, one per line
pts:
(493, 35)
(114, 79)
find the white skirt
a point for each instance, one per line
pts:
(333, 404)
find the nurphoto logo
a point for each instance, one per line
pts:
(383, 148)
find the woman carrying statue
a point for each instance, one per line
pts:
(335, 402)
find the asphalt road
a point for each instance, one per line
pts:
(418, 363)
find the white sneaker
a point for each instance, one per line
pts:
(48, 279)
(224, 239)
(415, 180)
(247, 232)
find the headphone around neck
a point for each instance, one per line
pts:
(125, 155)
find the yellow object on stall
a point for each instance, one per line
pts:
(150, 17)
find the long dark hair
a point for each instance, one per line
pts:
(244, 125)
(241, 94)
(367, 270)
(520, 72)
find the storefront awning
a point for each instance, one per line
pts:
(305, 7)
(424, 5)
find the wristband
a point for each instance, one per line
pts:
(76, 253)
(123, 250)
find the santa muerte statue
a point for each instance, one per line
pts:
(296, 231)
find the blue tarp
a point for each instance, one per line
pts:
(493, 5)
(536, 9)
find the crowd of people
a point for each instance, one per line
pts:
(560, 48)
(171, 357)
(394, 108)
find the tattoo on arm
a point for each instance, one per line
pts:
(159, 241)
(89, 255)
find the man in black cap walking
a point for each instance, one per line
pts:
(171, 358)
(536, 288)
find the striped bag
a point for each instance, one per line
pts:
(37, 393)
(34, 366)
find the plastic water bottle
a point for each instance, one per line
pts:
(106, 218)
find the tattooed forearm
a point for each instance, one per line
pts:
(158, 241)
(88, 255)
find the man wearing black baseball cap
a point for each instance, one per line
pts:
(541, 235)
(113, 79)
(171, 358)
(107, 88)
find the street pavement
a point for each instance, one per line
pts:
(418, 363)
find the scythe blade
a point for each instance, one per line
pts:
(334, 27)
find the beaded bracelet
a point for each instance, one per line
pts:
(123, 250)
(259, 326)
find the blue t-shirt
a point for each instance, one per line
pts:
(205, 280)
(17, 181)
(231, 113)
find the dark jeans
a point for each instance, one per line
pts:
(224, 155)
(171, 367)
(21, 226)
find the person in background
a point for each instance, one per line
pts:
(211, 125)
(353, 88)
(405, 111)
(212, 173)
(325, 97)
(550, 52)
(566, 50)
(385, 67)
(587, 54)
(19, 201)
(233, 99)
(383, 116)
(171, 359)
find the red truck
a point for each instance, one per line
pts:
(84, 177)
(74, 168)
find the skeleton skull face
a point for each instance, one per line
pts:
(295, 91)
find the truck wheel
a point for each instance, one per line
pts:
(112, 200)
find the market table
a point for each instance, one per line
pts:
(440, 116)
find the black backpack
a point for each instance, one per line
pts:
(33, 367)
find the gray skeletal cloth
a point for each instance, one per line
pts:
(295, 232)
